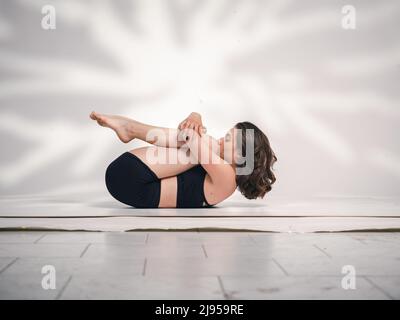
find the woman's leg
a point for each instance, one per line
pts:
(129, 129)
(166, 158)
(130, 182)
(165, 162)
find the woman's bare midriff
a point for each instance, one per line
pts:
(169, 190)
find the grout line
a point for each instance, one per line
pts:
(63, 288)
(221, 285)
(280, 267)
(84, 250)
(8, 265)
(204, 251)
(322, 250)
(378, 287)
(144, 267)
(40, 238)
(147, 238)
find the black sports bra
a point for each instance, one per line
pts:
(190, 193)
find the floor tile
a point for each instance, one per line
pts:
(390, 285)
(142, 287)
(95, 237)
(40, 250)
(212, 266)
(236, 251)
(73, 266)
(226, 238)
(297, 288)
(134, 251)
(172, 238)
(20, 236)
(334, 267)
(24, 281)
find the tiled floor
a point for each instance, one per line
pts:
(199, 265)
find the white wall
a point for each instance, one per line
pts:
(327, 97)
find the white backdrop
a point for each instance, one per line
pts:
(327, 97)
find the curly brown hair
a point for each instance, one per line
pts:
(259, 181)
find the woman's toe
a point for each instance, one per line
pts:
(93, 115)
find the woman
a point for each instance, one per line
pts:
(185, 168)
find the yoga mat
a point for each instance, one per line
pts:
(99, 212)
(103, 205)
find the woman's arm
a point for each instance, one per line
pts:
(222, 174)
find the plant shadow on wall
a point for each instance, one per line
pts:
(317, 88)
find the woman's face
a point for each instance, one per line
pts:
(227, 146)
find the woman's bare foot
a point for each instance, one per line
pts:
(121, 125)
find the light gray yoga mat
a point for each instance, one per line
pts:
(99, 212)
(102, 205)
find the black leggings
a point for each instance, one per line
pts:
(131, 181)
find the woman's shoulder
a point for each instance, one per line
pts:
(217, 192)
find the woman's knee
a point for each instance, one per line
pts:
(128, 180)
(121, 180)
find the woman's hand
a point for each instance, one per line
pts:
(188, 136)
(194, 122)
